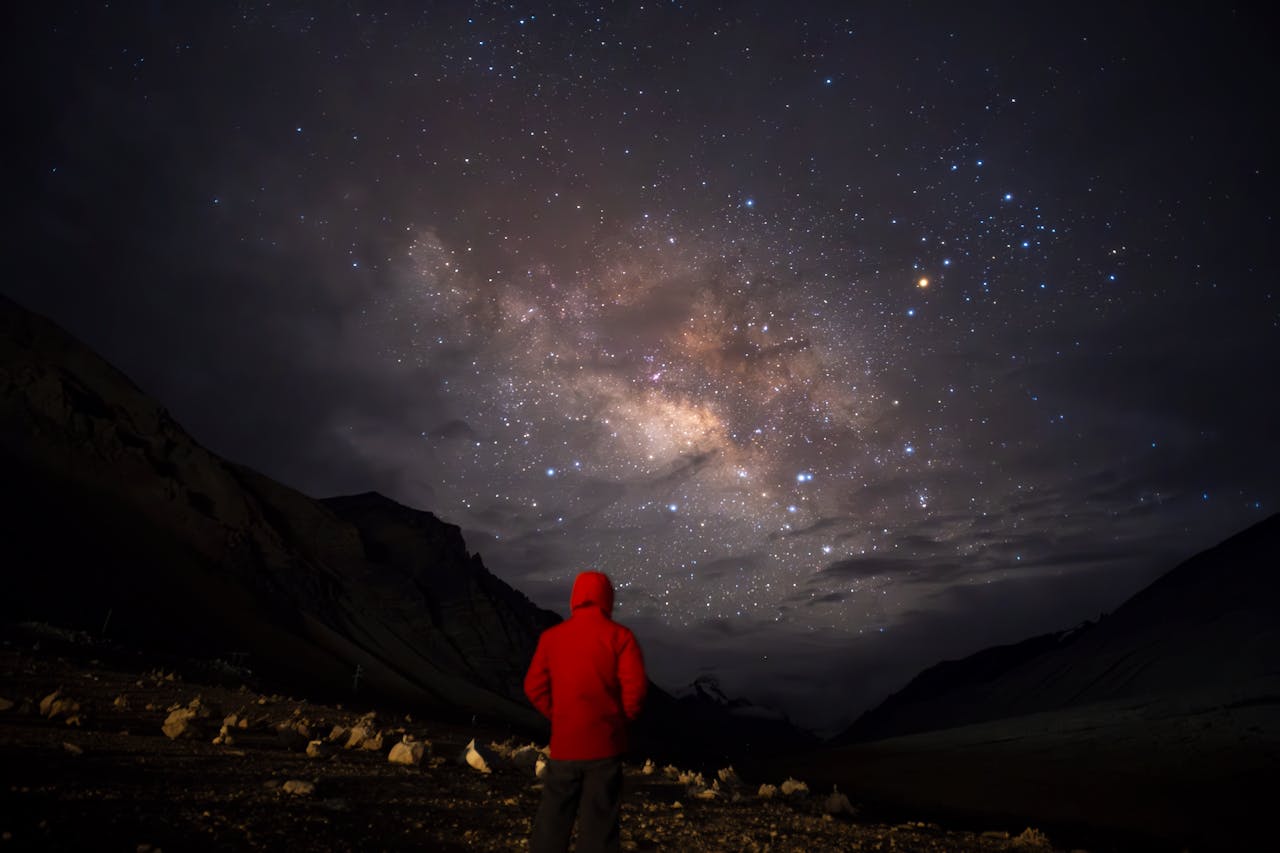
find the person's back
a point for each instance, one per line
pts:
(587, 677)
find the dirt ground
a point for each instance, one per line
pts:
(97, 772)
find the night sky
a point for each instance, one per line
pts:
(844, 338)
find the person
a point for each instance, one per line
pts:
(587, 677)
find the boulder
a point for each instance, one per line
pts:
(767, 791)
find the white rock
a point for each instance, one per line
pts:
(475, 760)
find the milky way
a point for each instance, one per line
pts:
(843, 341)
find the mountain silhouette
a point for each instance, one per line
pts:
(1209, 626)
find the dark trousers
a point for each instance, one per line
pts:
(591, 791)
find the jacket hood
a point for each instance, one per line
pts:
(592, 588)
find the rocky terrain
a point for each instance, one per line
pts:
(101, 747)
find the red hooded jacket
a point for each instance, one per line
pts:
(587, 676)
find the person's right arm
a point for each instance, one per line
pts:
(631, 676)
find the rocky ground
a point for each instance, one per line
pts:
(105, 750)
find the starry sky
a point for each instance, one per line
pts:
(846, 338)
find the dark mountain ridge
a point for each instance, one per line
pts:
(1212, 624)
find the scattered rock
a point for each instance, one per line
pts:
(794, 786)
(767, 791)
(373, 744)
(649, 767)
(358, 734)
(408, 752)
(338, 733)
(56, 705)
(293, 736)
(1032, 839)
(189, 721)
(319, 749)
(299, 787)
(688, 777)
(72, 748)
(475, 760)
(837, 803)
(224, 737)
(728, 776)
(525, 758)
(120, 703)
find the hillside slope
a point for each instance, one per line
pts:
(116, 519)
(1209, 626)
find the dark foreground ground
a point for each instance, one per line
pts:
(103, 776)
(1178, 773)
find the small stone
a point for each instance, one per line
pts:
(120, 703)
(72, 748)
(837, 803)
(299, 787)
(407, 752)
(180, 723)
(792, 787)
(5, 704)
(56, 705)
(356, 736)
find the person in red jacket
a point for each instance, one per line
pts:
(587, 677)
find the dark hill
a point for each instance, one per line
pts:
(1212, 624)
